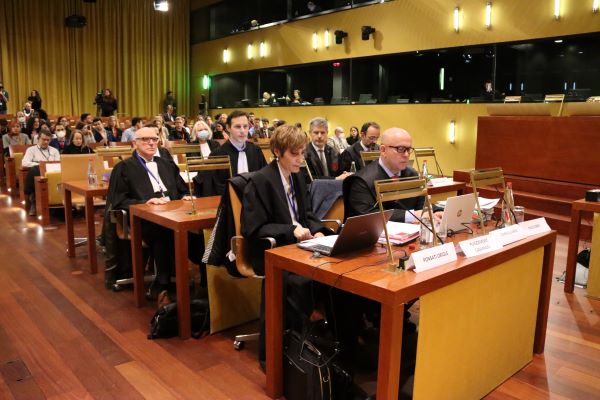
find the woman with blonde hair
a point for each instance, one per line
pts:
(163, 132)
(204, 181)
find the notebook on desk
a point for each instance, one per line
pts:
(358, 233)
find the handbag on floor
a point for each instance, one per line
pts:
(164, 323)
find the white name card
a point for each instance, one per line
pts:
(440, 181)
(479, 245)
(433, 257)
(508, 235)
(535, 226)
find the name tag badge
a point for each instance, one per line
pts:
(433, 257)
(479, 245)
(509, 235)
(535, 226)
(440, 181)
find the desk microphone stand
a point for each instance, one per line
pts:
(193, 211)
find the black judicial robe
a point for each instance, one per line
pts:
(265, 211)
(316, 167)
(133, 185)
(352, 153)
(254, 155)
(359, 193)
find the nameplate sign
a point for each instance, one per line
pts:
(433, 257)
(508, 235)
(479, 245)
(535, 226)
(440, 181)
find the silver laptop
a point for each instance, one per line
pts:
(358, 233)
(458, 211)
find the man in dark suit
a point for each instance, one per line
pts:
(321, 159)
(369, 134)
(169, 116)
(359, 189)
(146, 179)
(243, 155)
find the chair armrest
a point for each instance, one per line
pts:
(335, 222)
(242, 264)
(121, 219)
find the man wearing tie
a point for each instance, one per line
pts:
(169, 116)
(244, 156)
(321, 158)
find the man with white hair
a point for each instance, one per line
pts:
(338, 142)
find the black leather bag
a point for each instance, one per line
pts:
(164, 323)
(310, 371)
(583, 257)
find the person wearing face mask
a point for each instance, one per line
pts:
(22, 119)
(76, 146)
(243, 155)
(14, 136)
(60, 141)
(204, 181)
(369, 135)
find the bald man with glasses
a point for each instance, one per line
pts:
(359, 189)
(145, 178)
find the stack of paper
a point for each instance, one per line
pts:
(400, 233)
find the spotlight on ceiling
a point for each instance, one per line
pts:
(339, 36)
(161, 5)
(367, 31)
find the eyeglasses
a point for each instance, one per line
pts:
(402, 149)
(149, 139)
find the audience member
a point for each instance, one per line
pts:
(163, 132)
(220, 131)
(27, 109)
(169, 100)
(353, 137)
(179, 132)
(35, 99)
(22, 119)
(338, 141)
(32, 128)
(88, 136)
(170, 115)
(59, 142)
(369, 134)
(3, 100)
(31, 159)
(114, 132)
(14, 136)
(129, 134)
(84, 119)
(76, 145)
(99, 132)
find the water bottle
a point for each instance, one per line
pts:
(353, 167)
(507, 206)
(92, 177)
(425, 172)
(426, 238)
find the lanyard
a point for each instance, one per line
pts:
(47, 157)
(290, 198)
(150, 173)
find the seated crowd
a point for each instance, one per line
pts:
(276, 200)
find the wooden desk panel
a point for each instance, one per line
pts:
(176, 216)
(554, 148)
(364, 273)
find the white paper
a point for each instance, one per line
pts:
(323, 240)
(53, 167)
(433, 257)
(440, 181)
(535, 226)
(487, 204)
(184, 175)
(509, 235)
(479, 245)
(395, 228)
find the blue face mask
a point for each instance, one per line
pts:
(203, 135)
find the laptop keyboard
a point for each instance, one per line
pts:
(320, 247)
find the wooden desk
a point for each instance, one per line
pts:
(577, 208)
(82, 188)
(175, 216)
(442, 192)
(357, 274)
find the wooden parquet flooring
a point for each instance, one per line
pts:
(64, 336)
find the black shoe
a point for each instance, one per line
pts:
(263, 365)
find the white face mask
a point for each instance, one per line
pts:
(203, 135)
(61, 134)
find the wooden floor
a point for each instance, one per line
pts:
(63, 336)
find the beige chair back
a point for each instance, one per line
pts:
(427, 152)
(556, 98)
(368, 156)
(512, 99)
(485, 177)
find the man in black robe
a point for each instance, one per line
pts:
(369, 134)
(243, 155)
